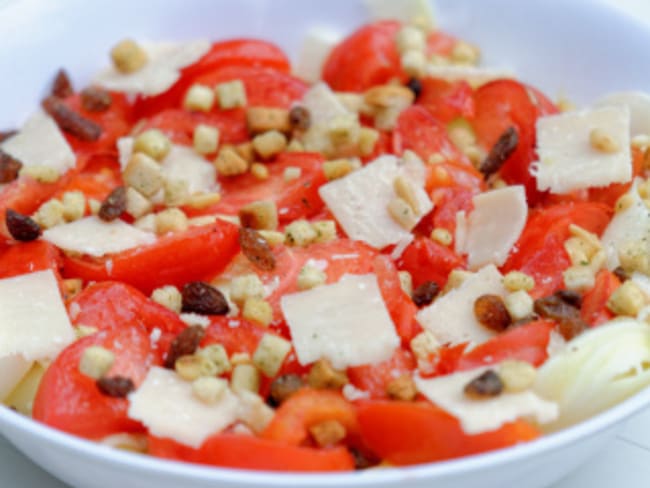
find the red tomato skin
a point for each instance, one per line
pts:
(420, 132)
(365, 58)
(206, 250)
(236, 52)
(525, 343)
(100, 175)
(296, 199)
(308, 407)
(447, 100)
(405, 433)
(375, 378)
(594, 309)
(70, 401)
(28, 257)
(501, 104)
(401, 308)
(427, 260)
(540, 253)
(234, 334)
(254, 453)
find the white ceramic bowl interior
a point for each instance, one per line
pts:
(577, 48)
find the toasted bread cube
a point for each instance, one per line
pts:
(169, 297)
(322, 375)
(402, 388)
(300, 233)
(229, 163)
(414, 63)
(628, 299)
(137, 204)
(328, 433)
(271, 353)
(258, 310)
(273, 237)
(231, 94)
(206, 139)
(244, 287)
(519, 304)
(96, 361)
(74, 205)
(245, 377)
(143, 173)
(128, 56)
(516, 376)
(50, 214)
(199, 98)
(260, 171)
(153, 143)
(171, 220)
(193, 366)
(176, 192)
(218, 355)
(269, 144)
(516, 280)
(264, 119)
(310, 277)
(209, 389)
(424, 344)
(260, 215)
(325, 230)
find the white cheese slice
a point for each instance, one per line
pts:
(346, 322)
(494, 225)
(451, 317)
(638, 103)
(474, 75)
(14, 368)
(406, 11)
(94, 237)
(33, 319)
(628, 227)
(315, 49)
(40, 143)
(485, 415)
(182, 163)
(568, 162)
(165, 404)
(360, 200)
(162, 70)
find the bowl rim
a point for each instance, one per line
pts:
(376, 477)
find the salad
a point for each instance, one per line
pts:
(384, 254)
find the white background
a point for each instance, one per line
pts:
(625, 463)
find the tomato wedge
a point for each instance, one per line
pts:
(447, 100)
(375, 378)
(308, 407)
(594, 309)
(205, 251)
(27, 257)
(70, 401)
(248, 452)
(417, 432)
(427, 260)
(235, 52)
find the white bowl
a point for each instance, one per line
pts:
(580, 48)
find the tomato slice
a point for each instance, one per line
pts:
(501, 104)
(179, 124)
(70, 401)
(235, 52)
(420, 132)
(294, 199)
(375, 378)
(308, 407)
(400, 306)
(204, 251)
(416, 432)
(114, 305)
(264, 87)
(594, 309)
(365, 58)
(28, 257)
(249, 452)
(525, 343)
(447, 100)
(540, 253)
(427, 260)
(234, 334)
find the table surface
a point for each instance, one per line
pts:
(624, 463)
